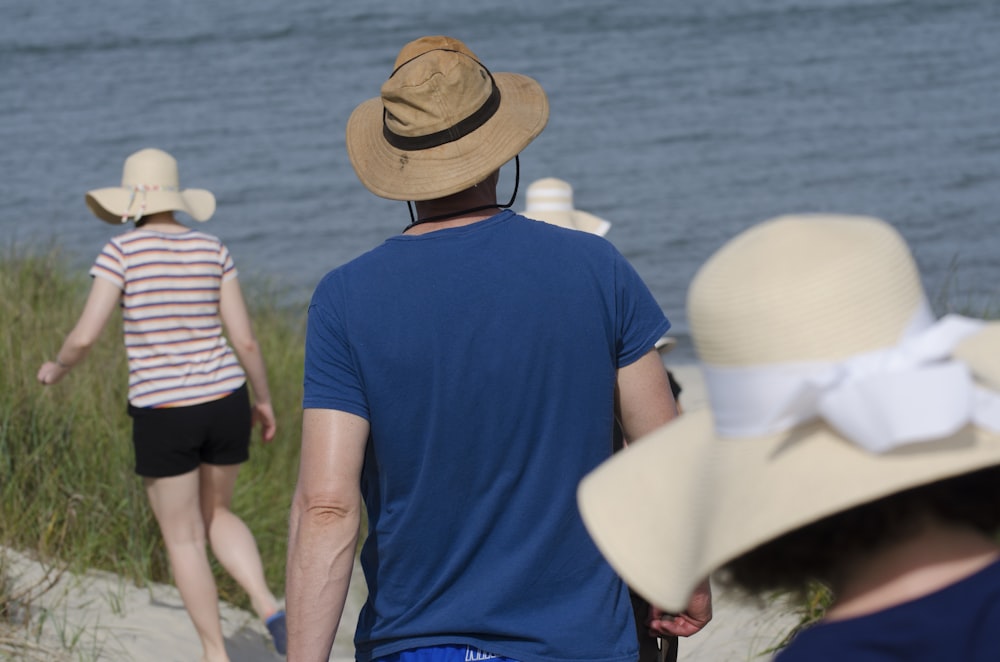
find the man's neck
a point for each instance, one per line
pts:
(457, 221)
(472, 205)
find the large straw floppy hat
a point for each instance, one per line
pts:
(150, 184)
(443, 123)
(831, 385)
(551, 200)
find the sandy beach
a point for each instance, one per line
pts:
(101, 617)
(108, 619)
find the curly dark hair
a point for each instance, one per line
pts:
(821, 551)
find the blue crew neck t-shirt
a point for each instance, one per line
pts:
(484, 358)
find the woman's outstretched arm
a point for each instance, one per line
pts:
(103, 298)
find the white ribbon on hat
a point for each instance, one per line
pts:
(550, 198)
(909, 393)
(535, 205)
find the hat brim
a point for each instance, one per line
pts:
(573, 219)
(111, 204)
(428, 174)
(724, 497)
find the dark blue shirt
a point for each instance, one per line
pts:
(484, 358)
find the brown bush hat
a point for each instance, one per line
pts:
(831, 385)
(443, 122)
(150, 184)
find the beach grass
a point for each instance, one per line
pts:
(68, 490)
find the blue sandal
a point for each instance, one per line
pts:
(276, 626)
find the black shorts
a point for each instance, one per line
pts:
(170, 441)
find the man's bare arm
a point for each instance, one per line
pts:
(323, 530)
(645, 403)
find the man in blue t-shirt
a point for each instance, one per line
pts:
(460, 379)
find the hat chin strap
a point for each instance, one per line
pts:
(440, 217)
(910, 393)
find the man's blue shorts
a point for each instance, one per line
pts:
(445, 653)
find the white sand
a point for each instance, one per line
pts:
(108, 619)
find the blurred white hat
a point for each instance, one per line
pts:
(551, 200)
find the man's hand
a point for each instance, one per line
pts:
(691, 620)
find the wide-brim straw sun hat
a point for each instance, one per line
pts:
(442, 123)
(551, 200)
(150, 184)
(831, 385)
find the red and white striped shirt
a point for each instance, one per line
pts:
(177, 353)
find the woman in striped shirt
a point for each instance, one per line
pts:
(188, 397)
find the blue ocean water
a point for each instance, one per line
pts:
(681, 123)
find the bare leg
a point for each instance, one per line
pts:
(175, 502)
(232, 542)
